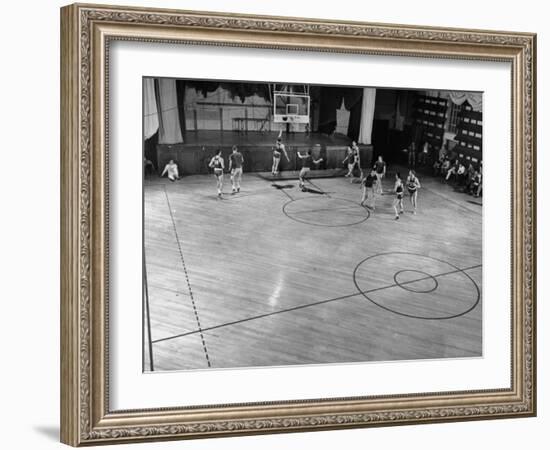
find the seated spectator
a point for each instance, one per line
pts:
(469, 177)
(452, 171)
(442, 153)
(437, 166)
(479, 185)
(171, 169)
(461, 174)
(445, 166)
(148, 166)
(475, 188)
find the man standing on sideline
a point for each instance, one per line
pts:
(380, 168)
(236, 161)
(411, 150)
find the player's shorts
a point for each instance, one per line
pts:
(276, 156)
(218, 172)
(305, 169)
(237, 171)
(411, 191)
(400, 196)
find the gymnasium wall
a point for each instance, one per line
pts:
(219, 110)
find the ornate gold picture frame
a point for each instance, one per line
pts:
(87, 31)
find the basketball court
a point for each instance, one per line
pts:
(276, 276)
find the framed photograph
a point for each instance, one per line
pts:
(276, 224)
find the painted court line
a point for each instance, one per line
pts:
(309, 305)
(148, 317)
(187, 279)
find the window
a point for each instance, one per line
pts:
(454, 115)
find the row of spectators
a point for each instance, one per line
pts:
(468, 179)
(448, 166)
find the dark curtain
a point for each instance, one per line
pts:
(353, 102)
(159, 106)
(240, 90)
(204, 87)
(150, 149)
(180, 92)
(330, 101)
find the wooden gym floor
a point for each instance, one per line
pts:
(276, 276)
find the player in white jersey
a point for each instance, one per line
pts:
(171, 169)
(352, 158)
(236, 161)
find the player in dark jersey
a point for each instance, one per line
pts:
(218, 165)
(277, 150)
(369, 183)
(236, 161)
(352, 157)
(307, 162)
(380, 168)
(398, 189)
(413, 184)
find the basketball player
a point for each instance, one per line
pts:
(218, 165)
(368, 183)
(352, 157)
(413, 184)
(355, 148)
(307, 161)
(398, 189)
(279, 148)
(380, 168)
(236, 161)
(171, 169)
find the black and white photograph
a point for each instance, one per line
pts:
(297, 224)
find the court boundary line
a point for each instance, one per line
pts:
(187, 280)
(317, 303)
(148, 317)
